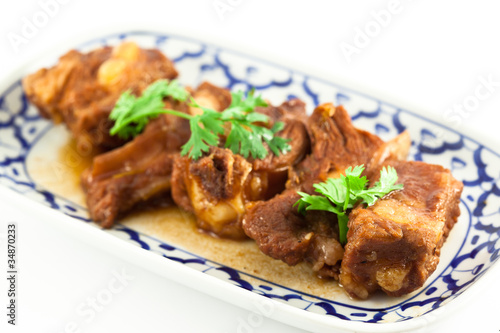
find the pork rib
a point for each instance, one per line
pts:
(141, 169)
(394, 245)
(284, 234)
(217, 186)
(82, 88)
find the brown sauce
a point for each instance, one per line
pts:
(176, 227)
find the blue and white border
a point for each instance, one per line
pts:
(470, 161)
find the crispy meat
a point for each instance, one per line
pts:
(279, 230)
(82, 88)
(394, 245)
(141, 169)
(217, 187)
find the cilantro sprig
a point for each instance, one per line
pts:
(131, 114)
(246, 134)
(341, 194)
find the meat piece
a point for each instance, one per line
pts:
(141, 169)
(293, 114)
(212, 97)
(276, 226)
(270, 174)
(82, 89)
(212, 187)
(282, 233)
(217, 186)
(394, 245)
(393, 150)
(136, 172)
(336, 144)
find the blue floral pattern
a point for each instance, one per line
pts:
(477, 165)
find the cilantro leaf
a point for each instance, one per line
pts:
(246, 136)
(277, 144)
(333, 189)
(343, 193)
(131, 114)
(200, 140)
(205, 130)
(315, 202)
(386, 184)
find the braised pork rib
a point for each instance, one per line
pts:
(393, 245)
(284, 234)
(141, 170)
(82, 88)
(218, 186)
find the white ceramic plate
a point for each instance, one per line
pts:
(27, 140)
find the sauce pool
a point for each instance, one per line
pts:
(60, 174)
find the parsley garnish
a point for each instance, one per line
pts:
(131, 114)
(340, 194)
(246, 136)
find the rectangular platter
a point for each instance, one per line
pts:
(39, 161)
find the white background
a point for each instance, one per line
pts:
(430, 54)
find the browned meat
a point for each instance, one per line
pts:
(293, 114)
(213, 187)
(217, 187)
(135, 172)
(336, 144)
(211, 96)
(275, 225)
(141, 169)
(394, 245)
(82, 89)
(282, 233)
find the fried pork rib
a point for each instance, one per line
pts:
(217, 187)
(394, 245)
(284, 234)
(141, 169)
(82, 88)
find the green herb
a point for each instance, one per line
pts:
(245, 137)
(340, 194)
(131, 114)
